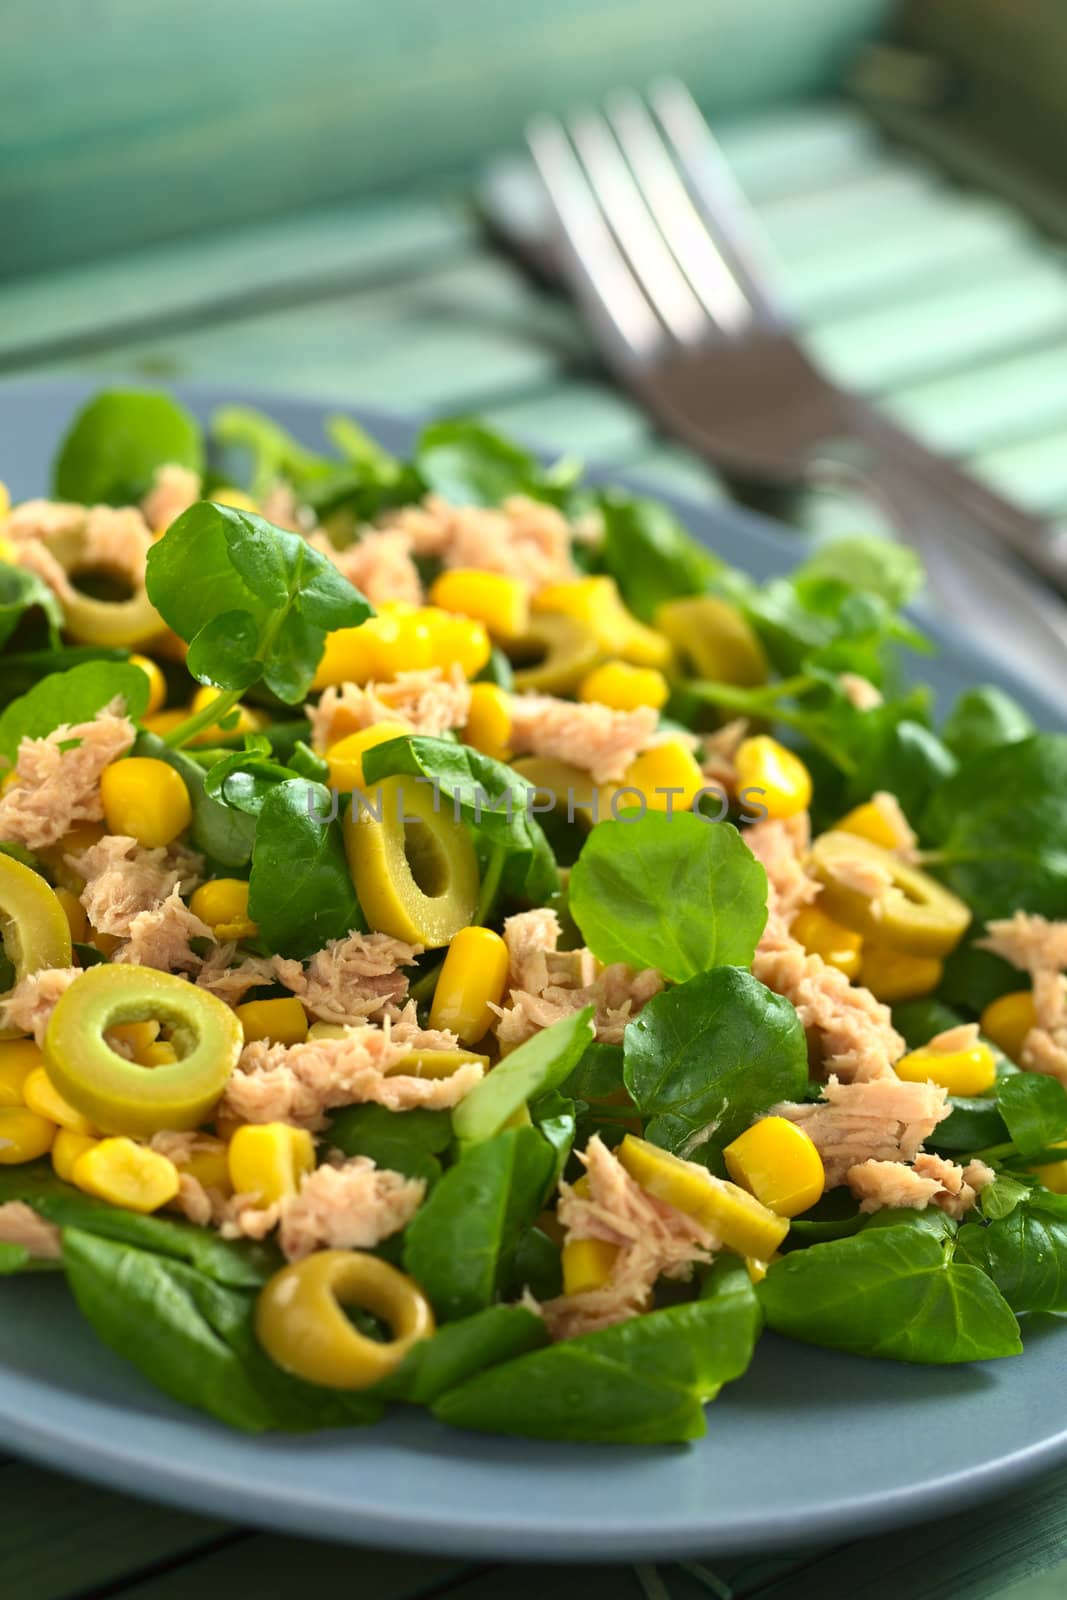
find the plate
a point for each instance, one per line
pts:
(809, 1445)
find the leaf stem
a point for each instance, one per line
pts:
(206, 717)
(490, 883)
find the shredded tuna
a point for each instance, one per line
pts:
(279, 505)
(1045, 1046)
(905, 842)
(546, 984)
(378, 563)
(963, 1037)
(1031, 943)
(59, 787)
(100, 538)
(349, 1207)
(20, 1224)
(933, 1180)
(654, 1240)
(860, 692)
(122, 878)
(231, 983)
(426, 701)
(781, 845)
(404, 1028)
(884, 1119)
(862, 875)
(354, 979)
(851, 1032)
(299, 1083)
(43, 519)
(160, 937)
(720, 751)
(174, 489)
(526, 539)
(33, 999)
(593, 737)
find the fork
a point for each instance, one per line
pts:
(661, 250)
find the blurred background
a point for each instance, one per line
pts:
(297, 197)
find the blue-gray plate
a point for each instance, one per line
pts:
(809, 1445)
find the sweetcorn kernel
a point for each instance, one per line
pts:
(282, 1021)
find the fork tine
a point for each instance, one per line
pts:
(722, 203)
(712, 280)
(630, 220)
(601, 276)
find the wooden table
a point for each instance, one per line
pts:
(946, 305)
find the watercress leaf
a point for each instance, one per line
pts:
(669, 891)
(306, 764)
(14, 1258)
(470, 465)
(1034, 1108)
(404, 1141)
(650, 554)
(21, 591)
(712, 1051)
(460, 1349)
(984, 719)
(299, 890)
(244, 779)
(911, 762)
(539, 1065)
(644, 1381)
(999, 1198)
(272, 452)
(933, 1220)
(878, 566)
(239, 1263)
(460, 1244)
(114, 445)
(598, 1075)
(890, 1292)
(69, 697)
(973, 978)
(973, 1123)
(1025, 1254)
(1000, 827)
(224, 651)
(492, 800)
(537, 1266)
(920, 1020)
(296, 649)
(222, 832)
(555, 1117)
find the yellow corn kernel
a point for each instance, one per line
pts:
(470, 982)
(489, 721)
(24, 1135)
(223, 904)
(126, 1174)
(778, 1163)
(821, 936)
(347, 656)
(236, 499)
(870, 822)
(164, 722)
(667, 777)
(106, 943)
(345, 758)
(42, 1096)
(145, 798)
(625, 688)
(1053, 1174)
(965, 1072)
(461, 642)
(132, 1038)
(18, 1058)
(587, 1264)
(157, 683)
(74, 911)
(67, 1148)
(1008, 1019)
(757, 1270)
(782, 779)
(596, 603)
(891, 975)
(502, 603)
(742, 1222)
(282, 1021)
(209, 1164)
(160, 1054)
(268, 1160)
(248, 721)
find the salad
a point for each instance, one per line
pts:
(465, 946)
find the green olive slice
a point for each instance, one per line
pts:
(118, 1095)
(33, 925)
(713, 640)
(413, 865)
(875, 893)
(113, 623)
(561, 652)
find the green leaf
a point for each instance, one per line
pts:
(999, 1198)
(650, 555)
(223, 833)
(598, 1075)
(460, 1349)
(644, 1381)
(14, 1258)
(273, 453)
(1034, 1109)
(673, 892)
(703, 1058)
(877, 566)
(458, 1247)
(299, 890)
(535, 1068)
(892, 1292)
(403, 1141)
(71, 697)
(1000, 828)
(116, 442)
(1024, 1252)
(470, 465)
(984, 719)
(21, 591)
(244, 779)
(251, 599)
(490, 798)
